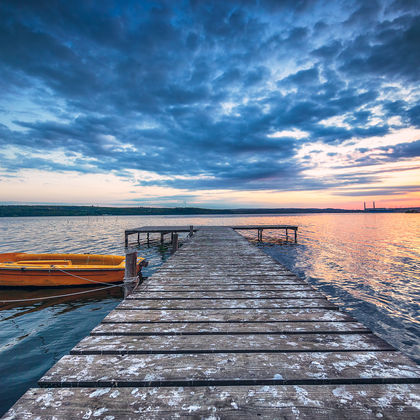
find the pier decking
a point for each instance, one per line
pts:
(221, 330)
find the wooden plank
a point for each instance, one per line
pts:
(151, 286)
(232, 368)
(159, 229)
(223, 275)
(219, 262)
(137, 295)
(268, 227)
(205, 281)
(217, 254)
(220, 271)
(238, 343)
(169, 304)
(189, 279)
(223, 284)
(235, 274)
(305, 402)
(169, 328)
(185, 256)
(228, 315)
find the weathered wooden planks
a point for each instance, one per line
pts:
(170, 328)
(225, 287)
(231, 368)
(227, 315)
(240, 343)
(170, 304)
(222, 330)
(189, 280)
(209, 272)
(261, 294)
(307, 402)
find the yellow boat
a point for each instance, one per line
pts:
(22, 269)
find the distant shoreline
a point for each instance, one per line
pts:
(46, 210)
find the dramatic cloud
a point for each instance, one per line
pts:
(196, 96)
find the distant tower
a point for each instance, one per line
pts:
(364, 205)
(374, 205)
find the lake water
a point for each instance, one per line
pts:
(368, 264)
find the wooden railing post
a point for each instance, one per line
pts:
(130, 273)
(174, 242)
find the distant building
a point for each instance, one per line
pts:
(374, 209)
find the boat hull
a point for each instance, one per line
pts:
(51, 270)
(52, 278)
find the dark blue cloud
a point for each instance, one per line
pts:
(388, 51)
(404, 150)
(196, 88)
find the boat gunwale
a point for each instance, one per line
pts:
(58, 269)
(45, 265)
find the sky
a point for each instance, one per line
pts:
(217, 104)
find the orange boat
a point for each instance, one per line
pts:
(23, 270)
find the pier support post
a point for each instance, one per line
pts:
(138, 238)
(161, 238)
(174, 242)
(296, 236)
(130, 273)
(148, 238)
(191, 231)
(287, 235)
(260, 231)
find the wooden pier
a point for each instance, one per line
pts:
(221, 330)
(165, 230)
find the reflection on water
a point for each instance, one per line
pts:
(21, 301)
(367, 263)
(34, 335)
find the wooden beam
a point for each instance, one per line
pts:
(362, 402)
(130, 265)
(174, 242)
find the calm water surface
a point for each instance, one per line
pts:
(369, 264)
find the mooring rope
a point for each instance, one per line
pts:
(82, 278)
(75, 293)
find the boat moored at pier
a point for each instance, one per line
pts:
(21, 269)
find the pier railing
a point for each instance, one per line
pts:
(172, 230)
